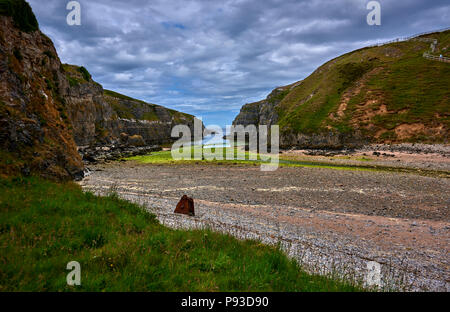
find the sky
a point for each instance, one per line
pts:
(210, 57)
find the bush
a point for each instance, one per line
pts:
(49, 54)
(18, 55)
(86, 75)
(72, 81)
(21, 13)
(351, 72)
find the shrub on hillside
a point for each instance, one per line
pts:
(86, 75)
(21, 13)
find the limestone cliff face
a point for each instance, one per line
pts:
(89, 113)
(51, 112)
(106, 118)
(35, 131)
(152, 122)
(262, 112)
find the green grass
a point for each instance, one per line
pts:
(413, 89)
(121, 247)
(150, 116)
(421, 98)
(138, 109)
(84, 72)
(130, 108)
(21, 13)
(121, 96)
(165, 158)
(76, 75)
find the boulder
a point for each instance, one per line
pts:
(136, 140)
(123, 137)
(185, 206)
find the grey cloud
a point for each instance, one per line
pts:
(210, 57)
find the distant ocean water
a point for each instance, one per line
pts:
(213, 141)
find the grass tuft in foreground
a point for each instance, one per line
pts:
(121, 247)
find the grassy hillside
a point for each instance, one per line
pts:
(120, 247)
(76, 75)
(389, 93)
(130, 108)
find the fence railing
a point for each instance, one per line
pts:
(402, 39)
(436, 58)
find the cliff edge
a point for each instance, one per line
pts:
(391, 93)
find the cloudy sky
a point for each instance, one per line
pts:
(209, 57)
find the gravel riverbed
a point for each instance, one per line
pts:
(331, 221)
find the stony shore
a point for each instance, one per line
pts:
(331, 221)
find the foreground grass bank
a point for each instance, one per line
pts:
(44, 225)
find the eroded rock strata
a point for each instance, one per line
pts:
(51, 112)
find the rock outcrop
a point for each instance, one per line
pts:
(103, 118)
(35, 131)
(262, 112)
(152, 122)
(51, 112)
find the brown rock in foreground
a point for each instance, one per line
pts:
(185, 206)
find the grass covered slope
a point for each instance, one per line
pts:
(389, 93)
(385, 94)
(120, 247)
(130, 108)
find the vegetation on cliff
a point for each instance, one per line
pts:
(35, 131)
(76, 74)
(121, 247)
(48, 108)
(387, 94)
(21, 13)
(130, 108)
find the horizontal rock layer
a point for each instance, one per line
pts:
(50, 110)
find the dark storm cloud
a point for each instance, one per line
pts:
(211, 57)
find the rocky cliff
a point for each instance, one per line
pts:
(51, 112)
(384, 94)
(262, 112)
(35, 131)
(106, 119)
(152, 122)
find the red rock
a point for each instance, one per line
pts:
(185, 206)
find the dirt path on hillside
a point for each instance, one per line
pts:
(329, 220)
